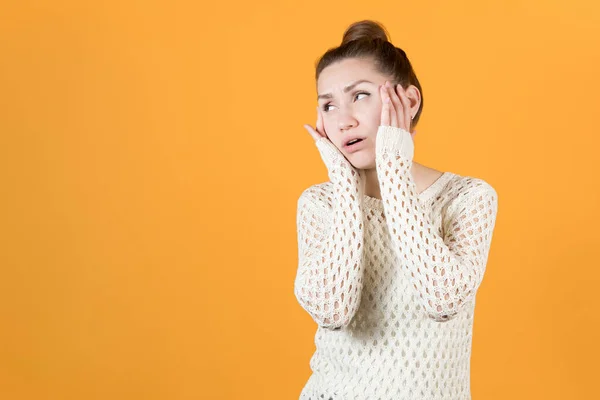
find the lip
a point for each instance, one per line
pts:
(355, 147)
(352, 138)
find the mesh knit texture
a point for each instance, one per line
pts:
(391, 282)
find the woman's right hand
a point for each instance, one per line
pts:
(319, 131)
(330, 154)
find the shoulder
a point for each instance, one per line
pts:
(317, 196)
(466, 186)
(464, 192)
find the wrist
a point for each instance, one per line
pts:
(330, 154)
(391, 139)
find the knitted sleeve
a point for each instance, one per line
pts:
(444, 271)
(329, 278)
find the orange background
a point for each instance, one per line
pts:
(153, 154)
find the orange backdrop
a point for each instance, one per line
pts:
(153, 153)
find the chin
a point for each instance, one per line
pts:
(362, 160)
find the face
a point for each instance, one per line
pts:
(351, 109)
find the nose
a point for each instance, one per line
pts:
(346, 120)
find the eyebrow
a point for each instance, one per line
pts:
(346, 89)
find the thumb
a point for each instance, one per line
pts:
(312, 132)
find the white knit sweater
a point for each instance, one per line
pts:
(391, 283)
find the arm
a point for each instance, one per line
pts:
(445, 272)
(329, 279)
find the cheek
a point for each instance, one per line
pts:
(378, 107)
(372, 111)
(328, 124)
(374, 116)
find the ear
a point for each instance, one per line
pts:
(414, 96)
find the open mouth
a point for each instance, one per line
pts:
(353, 141)
(354, 144)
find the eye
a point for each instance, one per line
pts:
(326, 109)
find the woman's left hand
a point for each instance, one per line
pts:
(395, 110)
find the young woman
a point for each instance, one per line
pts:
(391, 252)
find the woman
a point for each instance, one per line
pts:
(391, 252)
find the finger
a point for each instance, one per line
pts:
(312, 132)
(393, 112)
(320, 129)
(398, 109)
(406, 106)
(385, 107)
(323, 132)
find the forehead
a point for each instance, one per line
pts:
(337, 75)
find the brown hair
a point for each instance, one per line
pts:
(369, 39)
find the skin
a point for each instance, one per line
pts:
(361, 111)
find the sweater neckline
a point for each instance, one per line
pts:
(425, 195)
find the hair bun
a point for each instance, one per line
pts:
(366, 29)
